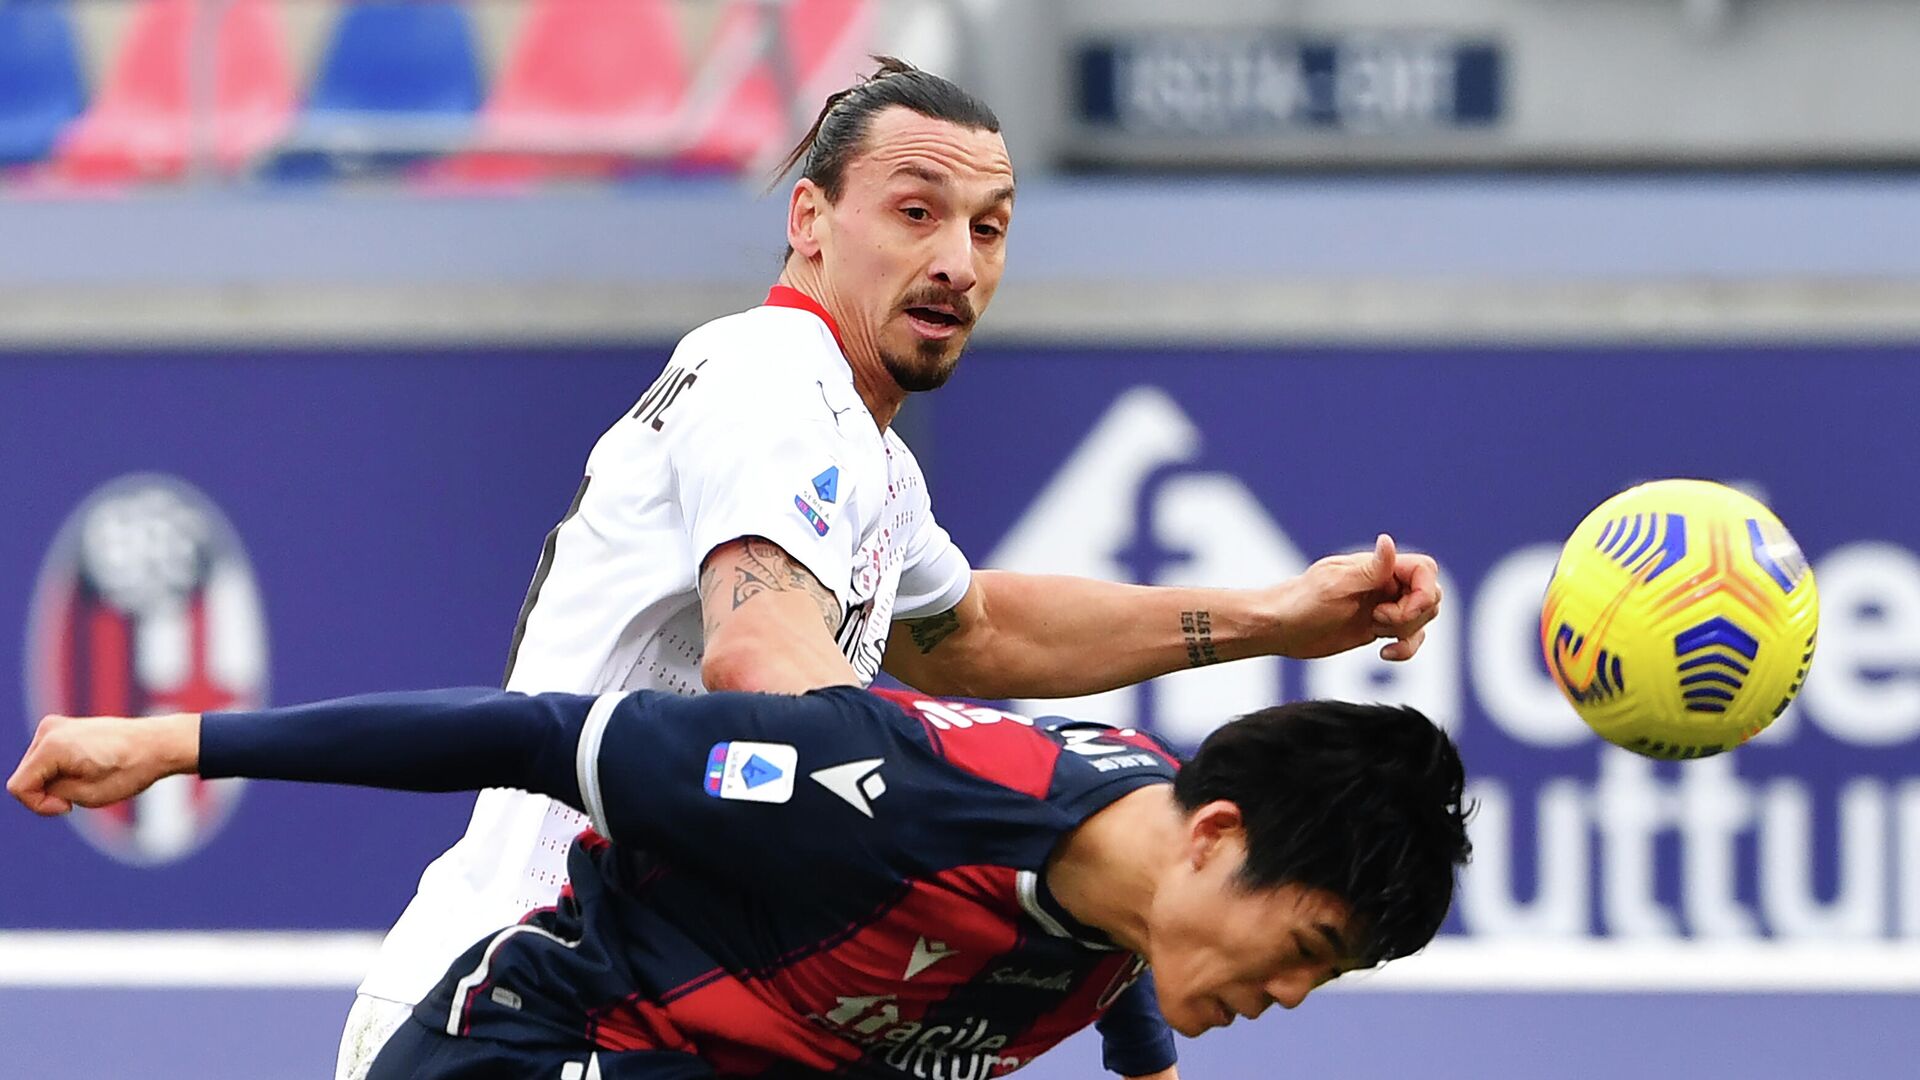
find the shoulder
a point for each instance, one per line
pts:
(776, 363)
(763, 342)
(1053, 759)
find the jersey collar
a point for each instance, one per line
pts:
(1039, 903)
(788, 297)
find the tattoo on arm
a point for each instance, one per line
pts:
(762, 567)
(929, 632)
(1197, 628)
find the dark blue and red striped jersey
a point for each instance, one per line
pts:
(845, 883)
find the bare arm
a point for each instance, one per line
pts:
(1024, 635)
(769, 622)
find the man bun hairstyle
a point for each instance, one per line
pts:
(840, 131)
(1363, 801)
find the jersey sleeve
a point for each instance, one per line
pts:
(827, 794)
(756, 451)
(1134, 1039)
(934, 572)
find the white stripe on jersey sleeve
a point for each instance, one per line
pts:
(586, 759)
(473, 979)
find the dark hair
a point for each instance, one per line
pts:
(1363, 801)
(840, 131)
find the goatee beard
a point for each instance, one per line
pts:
(928, 370)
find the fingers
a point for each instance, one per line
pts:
(1415, 597)
(29, 784)
(1404, 648)
(1383, 561)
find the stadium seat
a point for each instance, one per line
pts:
(400, 82)
(40, 91)
(142, 126)
(581, 72)
(827, 44)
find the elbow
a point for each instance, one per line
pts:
(761, 659)
(732, 664)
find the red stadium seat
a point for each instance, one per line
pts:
(141, 127)
(827, 42)
(582, 72)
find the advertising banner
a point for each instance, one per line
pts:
(191, 530)
(1238, 468)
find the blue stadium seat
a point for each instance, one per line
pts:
(396, 69)
(40, 92)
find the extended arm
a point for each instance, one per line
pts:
(1024, 635)
(441, 740)
(702, 780)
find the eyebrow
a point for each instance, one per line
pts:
(942, 180)
(1334, 939)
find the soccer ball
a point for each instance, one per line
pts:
(1680, 620)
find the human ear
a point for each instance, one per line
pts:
(806, 218)
(1208, 827)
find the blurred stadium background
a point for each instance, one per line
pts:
(310, 310)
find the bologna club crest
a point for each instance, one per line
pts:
(147, 605)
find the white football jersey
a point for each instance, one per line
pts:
(754, 429)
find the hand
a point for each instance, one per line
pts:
(1171, 1072)
(1345, 601)
(100, 760)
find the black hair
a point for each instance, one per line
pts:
(840, 131)
(1363, 801)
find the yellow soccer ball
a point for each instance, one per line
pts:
(1680, 620)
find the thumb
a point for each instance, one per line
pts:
(47, 805)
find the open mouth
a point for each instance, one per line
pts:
(934, 315)
(933, 322)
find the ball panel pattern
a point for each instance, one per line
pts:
(1680, 619)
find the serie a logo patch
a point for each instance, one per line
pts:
(751, 771)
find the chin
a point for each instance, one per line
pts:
(1188, 1026)
(921, 373)
(1184, 1018)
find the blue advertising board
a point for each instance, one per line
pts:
(368, 519)
(1239, 467)
(390, 508)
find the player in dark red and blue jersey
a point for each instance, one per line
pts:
(859, 884)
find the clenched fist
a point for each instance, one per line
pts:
(100, 760)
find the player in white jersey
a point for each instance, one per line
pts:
(753, 522)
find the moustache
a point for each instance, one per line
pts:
(953, 301)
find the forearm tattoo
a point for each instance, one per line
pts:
(762, 566)
(1197, 628)
(929, 632)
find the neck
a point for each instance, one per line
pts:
(876, 386)
(1106, 872)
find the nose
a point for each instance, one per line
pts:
(1289, 992)
(953, 257)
